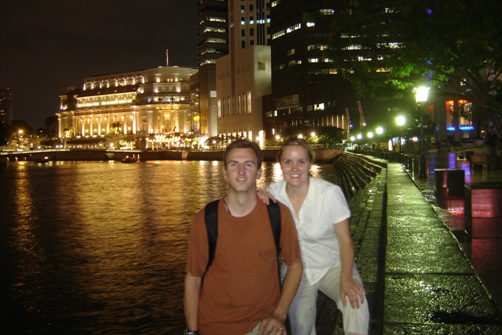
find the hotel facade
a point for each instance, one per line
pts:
(155, 103)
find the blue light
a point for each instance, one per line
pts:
(466, 128)
(450, 128)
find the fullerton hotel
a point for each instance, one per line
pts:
(153, 102)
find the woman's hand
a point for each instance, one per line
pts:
(349, 289)
(265, 196)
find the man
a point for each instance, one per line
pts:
(241, 293)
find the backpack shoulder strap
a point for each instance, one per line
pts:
(211, 216)
(274, 213)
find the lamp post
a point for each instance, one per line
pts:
(19, 136)
(400, 121)
(421, 95)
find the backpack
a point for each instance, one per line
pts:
(211, 216)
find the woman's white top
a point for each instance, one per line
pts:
(324, 206)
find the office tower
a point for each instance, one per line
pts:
(308, 88)
(243, 77)
(5, 107)
(212, 43)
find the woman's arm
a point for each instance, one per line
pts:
(265, 196)
(288, 292)
(348, 287)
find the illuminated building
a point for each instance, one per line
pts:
(212, 43)
(152, 102)
(243, 77)
(308, 87)
(5, 107)
(458, 118)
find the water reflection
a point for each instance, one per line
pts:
(484, 245)
(98, 247)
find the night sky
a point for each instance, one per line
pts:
(49, 44)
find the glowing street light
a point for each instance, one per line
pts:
(421, 95)
(400, 121)
(20, 133)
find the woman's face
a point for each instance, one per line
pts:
(295, 165)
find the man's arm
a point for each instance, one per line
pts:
(191, 301)
(288, 292)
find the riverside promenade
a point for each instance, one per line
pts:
(417, 276)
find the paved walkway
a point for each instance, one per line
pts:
(418, 278)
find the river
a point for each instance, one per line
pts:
(99, 247)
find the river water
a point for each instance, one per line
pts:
(99, 247)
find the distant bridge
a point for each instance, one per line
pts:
(322, 155)
(65, 155)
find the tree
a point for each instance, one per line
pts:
(328, 137)
(3, 134)
(19, 125)
(454, 45)
(51, 126)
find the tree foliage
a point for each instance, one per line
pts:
(453, 45)
(327, 137)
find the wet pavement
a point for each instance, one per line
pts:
(417, 273)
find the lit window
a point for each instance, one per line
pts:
(319, 107)
(327, 11)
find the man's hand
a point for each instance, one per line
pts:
(273, 326)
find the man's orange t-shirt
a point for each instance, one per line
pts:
(242, 286)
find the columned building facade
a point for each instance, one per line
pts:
(152, 102)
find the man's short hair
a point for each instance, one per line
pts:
(244, 144)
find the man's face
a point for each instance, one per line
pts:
(242, 170)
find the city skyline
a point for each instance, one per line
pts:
(60, 43)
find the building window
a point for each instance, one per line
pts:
(249, 105)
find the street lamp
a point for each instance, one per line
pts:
(19, 136)
(400, 121)
(421, 94)
(379, 132)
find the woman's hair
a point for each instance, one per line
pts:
(296, 141)
(244, 144)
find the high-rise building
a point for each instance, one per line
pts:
(308, 88)
(212, 43)
(243, 77)
(5, 107)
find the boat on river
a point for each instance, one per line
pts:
(129, 159)
(43, 159)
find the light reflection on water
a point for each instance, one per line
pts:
(99, 248)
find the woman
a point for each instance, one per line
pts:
(321, 215)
